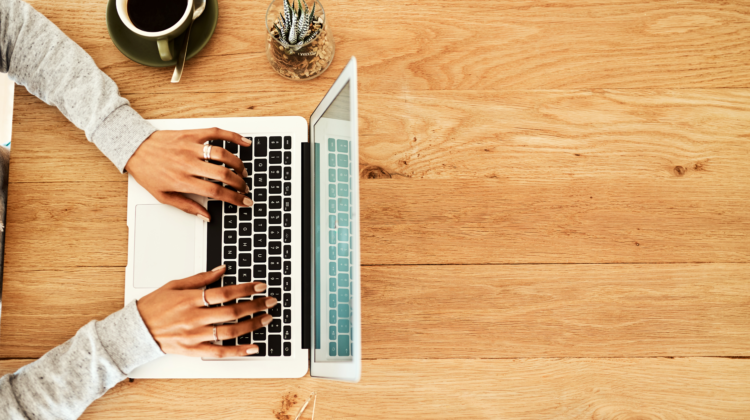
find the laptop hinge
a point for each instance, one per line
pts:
(306, 245)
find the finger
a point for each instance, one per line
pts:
(227, 293)
(217, 192)
(219, 134)
(230, 331)
(199, 280)
(185, 204)
(229, 313)
(217, 352)
(222, 155)
(220, 173)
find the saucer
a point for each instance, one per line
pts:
(144, 52)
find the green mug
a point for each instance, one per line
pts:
(164, 39)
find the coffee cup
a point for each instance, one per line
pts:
(164, 38)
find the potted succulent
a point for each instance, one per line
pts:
(299, 42)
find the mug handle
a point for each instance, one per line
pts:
(165, 50)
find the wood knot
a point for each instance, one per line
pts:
(374, 172)
(679, 170)
(637, 244)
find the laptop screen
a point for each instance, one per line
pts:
(335, 168)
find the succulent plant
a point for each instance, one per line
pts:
(296, 26)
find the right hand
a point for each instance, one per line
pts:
(180, 323)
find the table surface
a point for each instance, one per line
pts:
(554, 208)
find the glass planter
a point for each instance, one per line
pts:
(300, 61)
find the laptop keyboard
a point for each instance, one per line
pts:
(255, 242)
(339, 241)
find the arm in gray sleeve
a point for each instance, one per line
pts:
(36, 54)
(66, 380)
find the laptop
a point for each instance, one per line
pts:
(301, 237)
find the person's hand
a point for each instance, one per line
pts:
(170, 163)
(181, 324)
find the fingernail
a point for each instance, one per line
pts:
(252, 350)
(260, 287)
(244, 173)
(219, 267)
(204, 218)
(271, 302)
(247, 189)
(266, 320)
(247, 201)
(247, 141)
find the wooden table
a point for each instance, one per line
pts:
(555, 208)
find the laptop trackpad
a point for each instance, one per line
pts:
(164, 245)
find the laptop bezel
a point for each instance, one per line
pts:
(343, 371)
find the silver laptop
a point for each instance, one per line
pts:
(301, 237)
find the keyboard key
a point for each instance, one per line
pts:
(287, 142)
(332, 332)
(232, 147)
(274, 263)
(217, 143)
(331, 252)
(331, 175)
(274, 202)
(343, 219)
(246, 214)
(343, 190)
(231, 267)
(259, 271)
(274, 345)
(261, 165)
(287, 316)
(260, 180)
(343, 160)
(245, 276)
(260, 195)
(261, 349)
(332, 268)
(287, 158)
(230, 237)
(287, 220)
(331, 206)
(259, 334)
(249, 168)
(259, 240)
(287, 204)
(288, 300)
(332, 284)
(259, 256)
(287, 252)
(213, 235)
(331, 145)
(287, 268)
(343, 265)
(274, 158)
(332, 301)
(343, 146)
(274, 187)
(343, 234)
(246, 153)
(274, 142)
(287, 349)
(332, 159)
(343, 250)
(276, 311)
(229, 208)
(274, 279)
(274, 248)
(343, 295)
(343, 280)
(332, 348)
(332, 191)
(246, 229)
(274, 172)
(287, 332)
(343, 204)
(230, 222)
(287, 236)
(343, 345)
(343, 175)
(261, 147)
(343, 310)
(230, 252)
(244, 339)
(229, 281)
(275, 326)
(214, 285)
(287, 188)
(274, 232)
(259, 210)
(287, 173)
(274, 217)
(332, 237)
(229, 342)
(259, 225)
(343, 326)
(246, 244)
(287, 284)
(245, 260)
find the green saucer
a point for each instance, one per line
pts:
(144, 52)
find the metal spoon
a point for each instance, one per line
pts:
(200, 6)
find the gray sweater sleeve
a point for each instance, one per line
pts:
(66, 380)
(36, 54)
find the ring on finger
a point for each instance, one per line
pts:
(207, 152)
(205, 302)
(216, 337)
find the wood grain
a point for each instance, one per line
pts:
(626, 389)
(440, 312)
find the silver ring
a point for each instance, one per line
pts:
(205, 302)
(207, 152)
(216, 337)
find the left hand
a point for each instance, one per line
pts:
(170, 163)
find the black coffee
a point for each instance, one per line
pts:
(155, 15)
